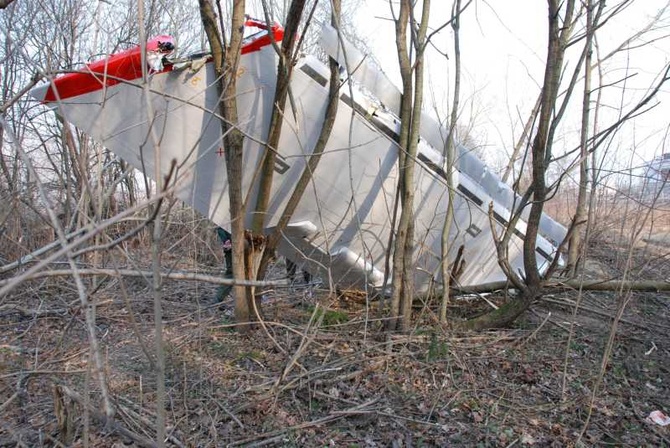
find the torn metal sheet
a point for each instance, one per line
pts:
(341, 228)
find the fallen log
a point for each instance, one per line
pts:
(549, 286)
(187, 276)
(585, 285)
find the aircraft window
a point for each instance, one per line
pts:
(500, 219)
(433, 166)
(504, 222)
(355, 106)
(545, 255)
(377, 123)
(253, 37)
(316, 76)
(385, 129)
(280, 166)
(473, 230)
(470, 195)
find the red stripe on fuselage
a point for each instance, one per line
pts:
(263, 41)
(126, 66)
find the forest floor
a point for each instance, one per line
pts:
(322, 372)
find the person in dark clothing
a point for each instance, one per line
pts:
(226, 239)
(291, 269)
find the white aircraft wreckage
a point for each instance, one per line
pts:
(340, 230)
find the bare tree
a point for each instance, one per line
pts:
(560, 27)
(412, 72)
(317, 152)
(287, 57)
(553, 105)
(575, 244)
(226, 55)
(450, 157)
(284, 68)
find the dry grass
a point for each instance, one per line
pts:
(325, 373)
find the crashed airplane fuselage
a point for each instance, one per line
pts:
(340, 230)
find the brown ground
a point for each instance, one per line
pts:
(344, 383)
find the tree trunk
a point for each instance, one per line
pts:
(410, 116)
(558, 36)
(284, 71)
(575, 246)
(450, 157)
(405, 116)
(226, 59)
(314, 159)
(500, 318)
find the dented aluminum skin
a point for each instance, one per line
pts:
(341, 228)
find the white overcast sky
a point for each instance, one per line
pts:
(503, 51)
